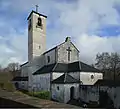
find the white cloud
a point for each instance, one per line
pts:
(75, 19)
(89, 46)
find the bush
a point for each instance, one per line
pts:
(41, 94)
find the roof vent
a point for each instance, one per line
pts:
(67, 39)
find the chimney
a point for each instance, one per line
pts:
(67, 39)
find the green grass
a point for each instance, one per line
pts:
(5, 81)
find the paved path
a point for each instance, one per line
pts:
(35, 102)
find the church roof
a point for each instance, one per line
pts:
(71, 67)
(65, 78)
(18, 78)
(36, 13)
(88, 68)
(107, 83)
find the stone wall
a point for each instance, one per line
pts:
(52, 57)
(63, 53)
(58, 92)
(41, 82)
(67, 91)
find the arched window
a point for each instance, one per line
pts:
(39, 21)
(92, 77)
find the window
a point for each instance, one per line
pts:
(39, 47)
(48, 58)
(39, 22)
(92, 77)
(57, 87)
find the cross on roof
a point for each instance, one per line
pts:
(36, 8)
(69, 50)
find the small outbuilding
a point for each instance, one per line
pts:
(65, 88)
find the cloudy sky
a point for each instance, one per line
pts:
(94, 26)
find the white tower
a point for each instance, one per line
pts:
(36, 34)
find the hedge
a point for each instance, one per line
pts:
(40, 94)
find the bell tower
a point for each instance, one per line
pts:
(36, 34)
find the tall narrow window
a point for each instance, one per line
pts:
(48, 58)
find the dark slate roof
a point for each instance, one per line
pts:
(62, 67)
(45, 69)
(18, 78)
(36, 13)
(74, 67)
(88, 68)
(65, 78)
(107, 83)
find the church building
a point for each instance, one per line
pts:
(58, 70)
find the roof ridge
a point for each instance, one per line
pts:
(65, 77)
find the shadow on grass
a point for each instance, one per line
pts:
(6, 103)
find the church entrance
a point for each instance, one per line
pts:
(72, 92)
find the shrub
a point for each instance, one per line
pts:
(41, 94)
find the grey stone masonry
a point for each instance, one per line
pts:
(67, 52)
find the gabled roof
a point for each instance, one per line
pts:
(65, 78)
(71, 67)
(18, 78)
(36, 13)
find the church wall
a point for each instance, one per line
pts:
(23, 85)
(85, 77)
(41, 82)
(74, 53)
(58, 92)
(36, 37)
(55, 75)
(89, 93)
(67, 91)
(24, 70)
(75, 75)
(113, 93)
(63, 53)
(52, 56)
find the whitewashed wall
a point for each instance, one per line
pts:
(75, 75)
(85, 77)
(55, 75)
(51, 54)
(58, 94)
(67, 91)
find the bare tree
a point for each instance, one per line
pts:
(14, 69)
(13, 66)
(109, 63)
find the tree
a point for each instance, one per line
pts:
(14, 69)
(13, 66)
(108, 63)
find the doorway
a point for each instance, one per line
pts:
(72, 92)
